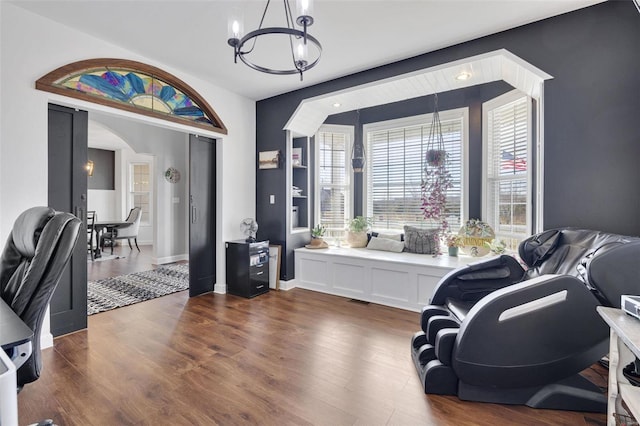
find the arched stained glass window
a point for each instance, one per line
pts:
(134, 87)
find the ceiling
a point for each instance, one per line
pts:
(355, 34)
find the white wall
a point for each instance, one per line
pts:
(33, 46)
(103, 202)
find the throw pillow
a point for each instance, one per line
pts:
(385, 244)
(423, 241)
(396, 237)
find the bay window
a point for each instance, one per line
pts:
(395, 169)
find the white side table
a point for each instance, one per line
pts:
(623, 348)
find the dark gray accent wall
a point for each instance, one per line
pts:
(591, 116)
(104, 162)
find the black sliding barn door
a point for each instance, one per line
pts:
(202, 215)
(67, 191)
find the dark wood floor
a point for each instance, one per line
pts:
(128, 261)
(286, 358)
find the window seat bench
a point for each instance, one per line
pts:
(400, 280)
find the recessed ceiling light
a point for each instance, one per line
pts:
(337, 105)
(463, 76)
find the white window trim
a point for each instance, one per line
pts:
(334, 128)
(130, 191)
(506, 98)
(416, 120)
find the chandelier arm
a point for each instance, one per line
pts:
(289, 17)
(264, 13)
(277, 30)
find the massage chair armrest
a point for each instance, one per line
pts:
(474, 281)
(538, 331)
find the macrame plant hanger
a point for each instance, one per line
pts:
(437, 176)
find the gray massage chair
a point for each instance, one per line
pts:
(495, 332)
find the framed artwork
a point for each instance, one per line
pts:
(269, 160)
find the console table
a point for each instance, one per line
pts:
(624, 347)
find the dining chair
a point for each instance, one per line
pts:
(124, 232)
(91, 233)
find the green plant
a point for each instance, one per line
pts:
(318, 231)
(496, 246)
(360, 224)
(454, 240)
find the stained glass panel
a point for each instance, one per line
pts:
(138, 89)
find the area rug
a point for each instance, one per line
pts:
(123, 290)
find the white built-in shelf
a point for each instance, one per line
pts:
(299, 167)
(299, 196)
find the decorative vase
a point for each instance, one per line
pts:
(453, 251)
(357, 239)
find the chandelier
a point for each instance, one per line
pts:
(298, 43)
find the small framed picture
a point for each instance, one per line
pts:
(269, 160)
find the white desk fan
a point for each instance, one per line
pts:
(249, 227)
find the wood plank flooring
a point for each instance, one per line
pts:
(129, 261)
(283, 358)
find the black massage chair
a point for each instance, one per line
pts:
(497, 332)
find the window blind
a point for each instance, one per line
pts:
(333, 181)
(396, 169)
(508, 193)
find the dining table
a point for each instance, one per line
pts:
(109, 226)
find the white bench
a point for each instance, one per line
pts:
(400, 280)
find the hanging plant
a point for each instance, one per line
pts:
(437, 180)
(436, 157)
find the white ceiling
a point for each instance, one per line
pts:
(355, 34)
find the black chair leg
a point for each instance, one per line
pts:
(136, 241)
(129, 241)
(112, 244)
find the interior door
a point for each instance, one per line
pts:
(67, 191)
(202, 215)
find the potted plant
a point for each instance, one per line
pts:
(317, 232)
(496, 246)
(436, 157)
(454, 242)
(357, 232)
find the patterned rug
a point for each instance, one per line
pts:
(114, 292)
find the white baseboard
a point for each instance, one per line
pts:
(46, 340)
(169, 259)
(287, 285)
(220, 288)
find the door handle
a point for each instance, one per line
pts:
(80, 214)
(193, 214)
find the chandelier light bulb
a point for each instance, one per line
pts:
(235, 28)
(304, 7)
(302, 52)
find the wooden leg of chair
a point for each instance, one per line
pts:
(136, 241)
(112, 243)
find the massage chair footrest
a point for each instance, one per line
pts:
(573, 394)
(439, 379)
